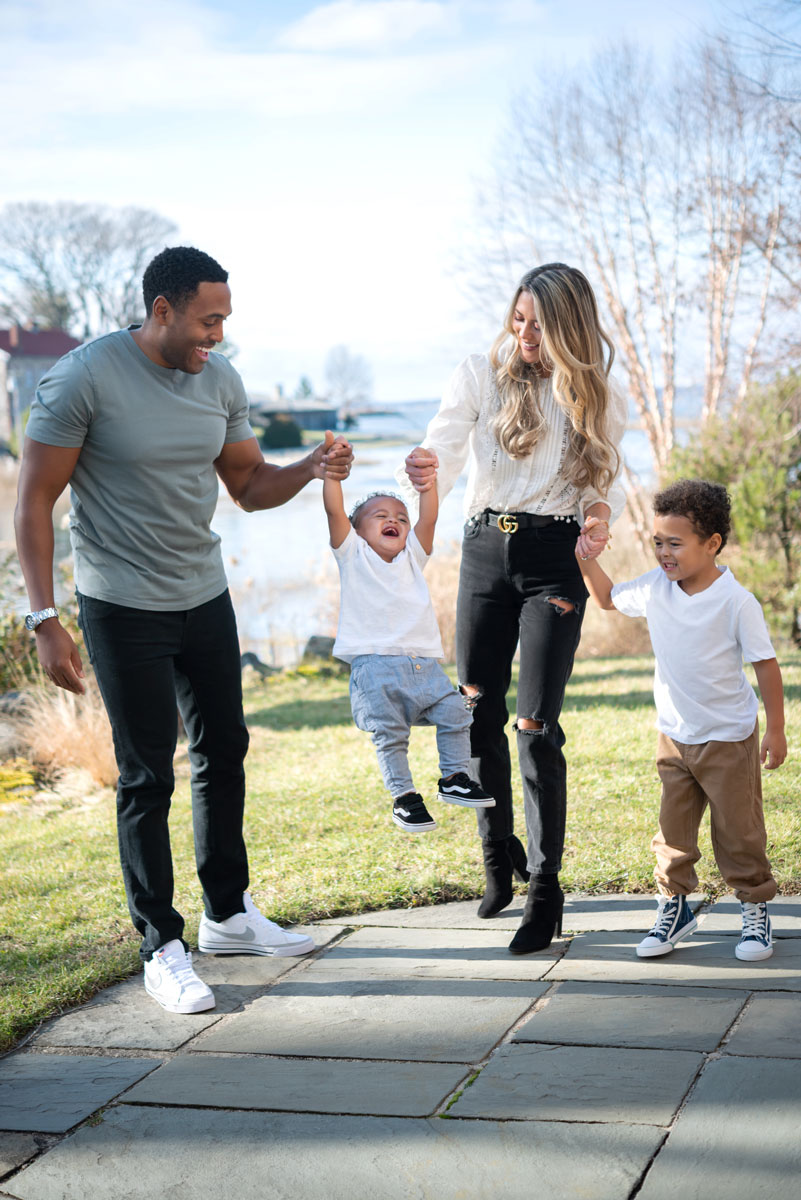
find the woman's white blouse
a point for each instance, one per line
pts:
(536, 484)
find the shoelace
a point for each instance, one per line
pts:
(180, 969)
(754, 921)
(664, 917)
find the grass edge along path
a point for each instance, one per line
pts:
(321, 841)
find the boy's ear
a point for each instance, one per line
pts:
(715, 543)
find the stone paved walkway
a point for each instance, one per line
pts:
(412, 1057)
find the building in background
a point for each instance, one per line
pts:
(25, 355)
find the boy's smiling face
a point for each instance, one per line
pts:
(685, 556)
(384, 524)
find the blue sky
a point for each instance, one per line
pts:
(328, 154)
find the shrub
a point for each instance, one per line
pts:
(281, 433)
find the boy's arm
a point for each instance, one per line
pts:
(427, 519)
(338, 523)
(774, 744)
(598, 583)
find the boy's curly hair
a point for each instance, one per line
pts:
(706, 505)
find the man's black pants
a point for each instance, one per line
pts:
(145, 662)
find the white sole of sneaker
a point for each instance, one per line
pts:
(446, 799)
(194, 1006)
(304, 947)
(657, 951)
(414, 828)
(751, 956)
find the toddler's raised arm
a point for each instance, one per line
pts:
(338, 523)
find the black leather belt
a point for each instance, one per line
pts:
(510, 522)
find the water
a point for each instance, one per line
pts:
(280, 568)
(279, 565)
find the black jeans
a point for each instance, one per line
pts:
(145, 662)
(506, 586)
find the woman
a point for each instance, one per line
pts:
(542, 426)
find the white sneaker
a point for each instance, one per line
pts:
(756, 941)
(169, 978)
(250, 933)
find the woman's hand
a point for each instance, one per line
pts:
(593, 538)
(421, 467)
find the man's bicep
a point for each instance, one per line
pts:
(46, 470)
(236, 463)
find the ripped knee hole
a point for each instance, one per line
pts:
(561, 605)
(471, 694)
(529, 725)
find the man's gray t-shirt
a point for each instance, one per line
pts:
(144, 488)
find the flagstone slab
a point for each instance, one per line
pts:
(701, 960)
(430, 1020)
(610, 1014)
(16, 1149)
(139, 1153)
(398, 1089)
(125, 1017)
(736, 1138)
(580, 1083)
(433, 953)
(457, 914)
(769, 1027)
(726, 917)
(582, 913)
(49, 1093)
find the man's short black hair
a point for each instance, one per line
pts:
(176, 273)
(705, 505)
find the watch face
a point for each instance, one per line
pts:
(29, 622)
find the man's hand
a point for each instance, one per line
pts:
(59, 656)
(333, 457)
(421, 467)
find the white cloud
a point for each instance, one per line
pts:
(367, 25)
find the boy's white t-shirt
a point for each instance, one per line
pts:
(700, 642)
(384, 607)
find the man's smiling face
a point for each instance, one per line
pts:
(384, 524)
(186, 334)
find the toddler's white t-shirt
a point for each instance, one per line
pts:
(385, 607)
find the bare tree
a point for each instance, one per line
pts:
(674, 194)
(77, 266)
(349, 378)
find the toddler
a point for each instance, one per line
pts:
(703, 625)
(388, 633)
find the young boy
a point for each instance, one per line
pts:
(703, 625)
(388, 633)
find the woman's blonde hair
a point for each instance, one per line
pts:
(579, 355)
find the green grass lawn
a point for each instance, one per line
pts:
(321, 840)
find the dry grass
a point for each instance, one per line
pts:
(59, 730)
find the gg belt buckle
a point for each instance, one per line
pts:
(507, 523)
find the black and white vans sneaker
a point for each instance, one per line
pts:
(757, 938)
(411, 814)
(461, 789)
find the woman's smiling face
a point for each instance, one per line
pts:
(527, 328)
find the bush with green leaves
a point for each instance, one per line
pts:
(282, 433)
(755, 451)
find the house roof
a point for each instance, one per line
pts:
(37, 343)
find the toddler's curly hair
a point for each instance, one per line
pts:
(706, 506)
(355, 512)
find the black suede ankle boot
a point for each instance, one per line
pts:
(499, 868)
(519, 859)
(542, 916)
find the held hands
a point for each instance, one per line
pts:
(593, 538)
(773, 750)
(421, 467)
(59, 656)
(333, 458)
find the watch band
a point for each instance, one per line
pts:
(34, 619)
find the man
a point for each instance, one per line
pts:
(140, 423)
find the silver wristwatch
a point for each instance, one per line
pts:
(34, 619)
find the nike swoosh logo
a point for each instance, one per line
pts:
(248, 936)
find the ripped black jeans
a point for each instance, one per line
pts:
(506, 587)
